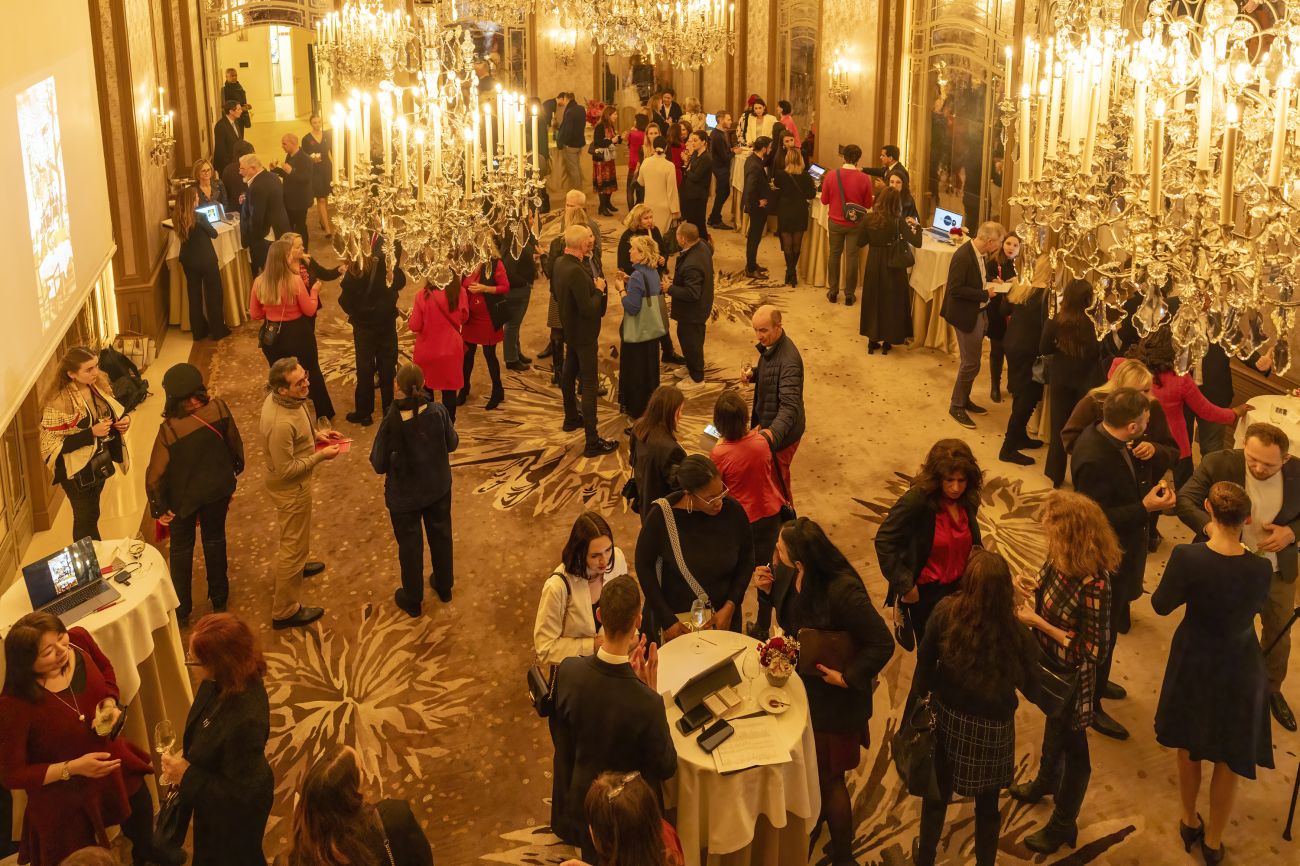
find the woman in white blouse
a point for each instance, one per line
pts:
(756, 123)
(566, 617)
(659, 177)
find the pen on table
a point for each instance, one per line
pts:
(107, 606)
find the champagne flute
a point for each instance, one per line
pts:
(164, 741)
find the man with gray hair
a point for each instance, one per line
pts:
(262, 215)
(582, 300)
(964, 303)
(289, 441)
(778, 391)
(295, 172)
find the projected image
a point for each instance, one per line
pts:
(47, 196)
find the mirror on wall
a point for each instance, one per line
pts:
(797, 51)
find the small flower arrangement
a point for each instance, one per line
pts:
(778, 656)
(957, 233)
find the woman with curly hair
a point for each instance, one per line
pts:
(975, 657)
(1071, 619)
(1070, 340)
(928, 534)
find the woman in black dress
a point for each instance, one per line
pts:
(887, 298)
(974, 659)
(715, 542)
(1075, 351)
(1026, 310)
(333, 825)
(814, 586)
(794, 189)
(1214, 700)
(655, 452)
(223, 775)
(899, 182)
(202, 273)
(317, 142)
(1000, 268)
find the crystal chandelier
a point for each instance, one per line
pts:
(364, 43)
(1165, 167)
(435, 165)
(686, 33)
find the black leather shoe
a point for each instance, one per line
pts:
(1049, 839)
(444, 595)
(546, 353)
(1212, 856)
(304, 616)
(1029, 792)
(674, 359)
(1281, 711)
(872, 347)
(599, 448)
(1011, 455)
(1030, 444)
(518, 366)
(995, 393)
(1191, 835)
(832, 295)
(358, 418)
(407, 606)
(975, 408)
(312, 569)
(960, 416)
(570, 426)
(1103, 724)
(1114, 692)
(850, 300)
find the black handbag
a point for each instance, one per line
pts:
(269, 333)
(99, 469)
(1058, 681)
(498, 306)
(670, 246)
(1042, 369)
(170, 828)
(912, 749)
(632, 494)
(900, 253)
(541, 687)
(853, 212)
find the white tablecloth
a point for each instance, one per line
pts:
(763, 815)
(227, 243)
(1280, 410)
(236, 277)
(930, 273)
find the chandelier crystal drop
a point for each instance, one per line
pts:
(685, 33)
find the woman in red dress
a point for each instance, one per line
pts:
(78, 782)
(437, 317)
(479, 330)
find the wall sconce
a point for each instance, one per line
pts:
(841, 73)
(564, 40)
(162, 140)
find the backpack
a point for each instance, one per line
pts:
(129, 387)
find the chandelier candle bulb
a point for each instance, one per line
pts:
(470, 139)
(1157, 158)
(536, 146)
(1279, 134)
(1094, 104)
(1054, 116)
(1205, 98)
(437, 142)
(1139, 121)
(1022, 169)
(1229, 165)
(420, 167)
(1040, 130)
(487, 125)
(405, 169)
(1006, 76)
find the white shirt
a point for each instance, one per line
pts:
(610, 658)
(561, 631)
(1265, 503)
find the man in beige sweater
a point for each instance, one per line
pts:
(290, 442)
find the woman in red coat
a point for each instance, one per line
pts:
(437, 317)
(78, 781)
(479, 330)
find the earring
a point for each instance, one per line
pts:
(690, 503)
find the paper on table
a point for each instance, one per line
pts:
(756, 742)
(711, 652)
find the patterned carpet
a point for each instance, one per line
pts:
(436, 706)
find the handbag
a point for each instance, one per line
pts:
(912, 749)
(831, 649)
(268, 333)
(498, 305)
(648, 323)
(1058, 681)
(853, 212)
(632, 494)
(900, 253)
(98, 469)
(670, 523)
(1042, 369)
(170, 829)
(541, 687)
(670, 247)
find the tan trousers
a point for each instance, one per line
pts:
(1277, 610)
(293, 511)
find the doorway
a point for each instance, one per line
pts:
(281, 48)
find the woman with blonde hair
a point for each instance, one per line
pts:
(198, 259)
(693, 114)
(211, 190)
(641, 221)
(638, 366)
(794, 189)
(574, 214)
(1070, 616)
(660, 179)
(82, 430)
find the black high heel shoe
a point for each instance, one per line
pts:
(884, 348)
(1051, 837)
(1212, 856)
(1191, 835)
(872, 346)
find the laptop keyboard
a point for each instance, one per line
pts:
(68, 602)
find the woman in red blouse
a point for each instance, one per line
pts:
(926, 537)
(744, 458)
(479, 330)
(437, 317)
(78, 782)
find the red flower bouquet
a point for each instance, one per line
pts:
(778, 656)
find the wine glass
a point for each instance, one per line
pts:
(699, 615)
(164, 741)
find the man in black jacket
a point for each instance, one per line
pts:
(1102, 469)
(968, 294)
(889, 165)
(668, 111)
(1272, 480)
(582, 299)
(778, 390)
(692, 295)
(262, 213)
(295, 172)
(721, 155)
(571, 139)
(233, 91)
(369, 297)
(694, 189)
(754, 199)
(225, 133)
(608, 715)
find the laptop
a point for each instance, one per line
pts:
(816, 172)
(214, 213)
(944, 222)
(710, 120)
(68, 583)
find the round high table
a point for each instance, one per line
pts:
(1280, 410)
(762, 816)
(236, 277)
(142, 639)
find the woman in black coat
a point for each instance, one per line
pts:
(927, 536)
(1071, 342)
(1214, 700)
(1000, 268)
(886, 318)
(655, 451)
(794, 189)
(333, 825)
(202, 273)
(224, 779)
(814, 586)
(1025, 307)
(368, 294)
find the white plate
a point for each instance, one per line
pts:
(772, 693)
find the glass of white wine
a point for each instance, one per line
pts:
(164, 742)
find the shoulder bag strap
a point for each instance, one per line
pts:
(564, 613)
(388, 848)
(670, 522)
(209, 426)
(839, 179)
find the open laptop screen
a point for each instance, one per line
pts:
(946, 220)
(212, 212)
(61, 572)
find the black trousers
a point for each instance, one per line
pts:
(211, 521)
(490, 358)
(757, 222)
(579, 371)
(298, 339)
(1119, 624)
(1066, 768)
(721, 192)
(298, 223)
(257, 250)
(693, 212)
(412, 529)
(138, 827)
(207, 307)
(988, 824)
(691, 336)
(1025, 394)
(448, 402)
(931, 594)
(1065, 396)
(376, 351)
(85, 508)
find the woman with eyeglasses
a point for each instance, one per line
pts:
(566, 623)
(716, 549)
(58, 713)
(626, 825)
(224, 778)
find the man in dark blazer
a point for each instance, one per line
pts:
(571, 139)
(263, 212)
(889, 166)
(1272, 480)
(225, 133)
(754, 199)
(608, 715)
(295, 171)
(582, 299)
(696, 178)
(721, 154)
(233, 91)
(1102, 469)
(668, 111)
(692, 295)
(967, 296)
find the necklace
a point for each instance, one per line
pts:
(81, 717)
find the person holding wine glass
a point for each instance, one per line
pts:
(224, 778)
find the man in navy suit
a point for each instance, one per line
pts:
(967, 296)
(227, 131)
(263, 212)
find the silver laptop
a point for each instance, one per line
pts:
(816, 172)
(68, 583)
(214, 213)
(944, 222)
